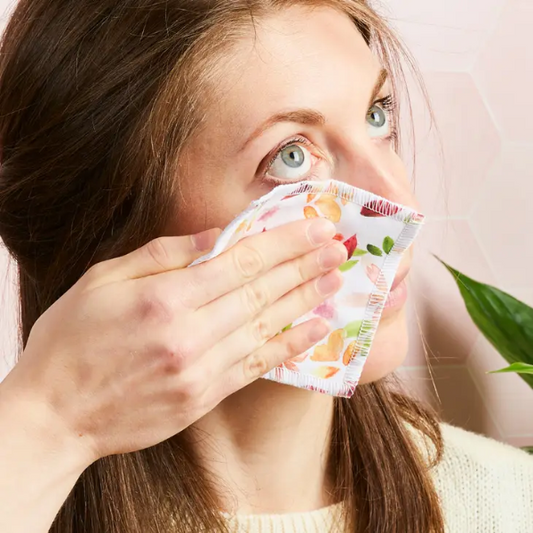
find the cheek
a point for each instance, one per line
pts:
(388, 350)
(207, 206)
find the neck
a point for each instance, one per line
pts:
(269, 449)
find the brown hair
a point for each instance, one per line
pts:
(97, 101)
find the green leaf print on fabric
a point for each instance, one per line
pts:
(348, 265)
(388, 245)
(353, 328)
(359, 253)
(374, 250)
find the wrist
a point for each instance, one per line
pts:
(32, 424)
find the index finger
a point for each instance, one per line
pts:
(251, 258)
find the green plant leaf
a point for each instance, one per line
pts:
(286, 328)
(359, 253)
(353, 328)
(528, 449)
(506, 322)
(348, 265)
(374, 250)
(519, 368)
(388, 245)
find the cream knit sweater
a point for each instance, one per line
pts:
(484, 487)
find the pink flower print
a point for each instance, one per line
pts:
(372, 271)
(268, 214)
(326, 310)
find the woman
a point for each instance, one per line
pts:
(129, 126)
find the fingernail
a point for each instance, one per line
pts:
(329, 283)
(332, 256)
(321, 231)
(204, 240)
(319, 331)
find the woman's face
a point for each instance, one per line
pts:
(302, 85)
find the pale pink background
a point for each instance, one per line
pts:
(477, 62)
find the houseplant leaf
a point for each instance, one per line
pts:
(519, 368)
(506, 322)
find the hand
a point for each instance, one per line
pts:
(142, 347)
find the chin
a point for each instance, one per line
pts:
(389, 348)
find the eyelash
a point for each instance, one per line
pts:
(388, 104)
(293, 140)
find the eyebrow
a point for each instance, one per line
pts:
(310, 117)
(382, 78)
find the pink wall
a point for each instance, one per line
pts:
(476, 61)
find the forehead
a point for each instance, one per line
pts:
(297, 58)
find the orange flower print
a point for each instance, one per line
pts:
(325, 372)
(332, 350)
(310, 197)
(291, 363)
(339, 237)
(349, 353)
(331, 209)
(300, 358)
(242, 226)
(310, 212)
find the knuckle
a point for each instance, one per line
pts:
(158, 253)
(255, 366)
(176, 356)
(293, 347)
(190, 389)
(256, 297)
(261, 330)
(248, 261)
(156, 307)
(302, 270)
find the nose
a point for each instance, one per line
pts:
(377, 168)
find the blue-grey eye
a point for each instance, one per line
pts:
(293, 156)
(378, 121)
(292, 162)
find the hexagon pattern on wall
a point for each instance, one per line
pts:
(476, 58)
(478, 198)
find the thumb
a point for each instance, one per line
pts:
(155, 257)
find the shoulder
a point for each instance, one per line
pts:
(484, 485)
(464, 449)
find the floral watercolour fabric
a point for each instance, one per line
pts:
(376, 233)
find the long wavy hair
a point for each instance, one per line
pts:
(97, 101)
